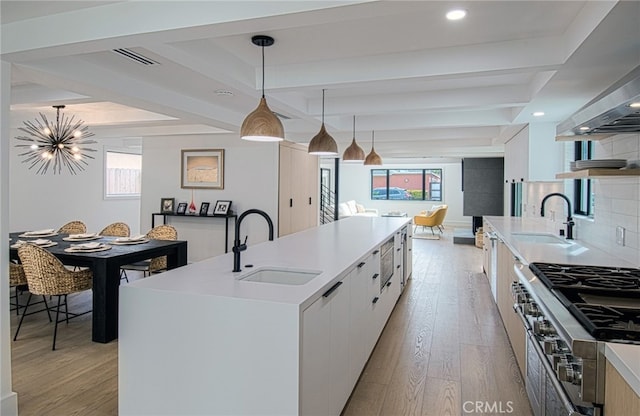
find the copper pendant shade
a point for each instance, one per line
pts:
(262, 124)
(322, 143)
(372, 158)
(353, 153)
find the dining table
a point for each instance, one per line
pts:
(105, 265)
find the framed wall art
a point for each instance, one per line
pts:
(166, 205)
(182, 208)
(202, 169)
(222, 208)
(204, 208)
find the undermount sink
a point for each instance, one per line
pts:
(541, 238)
(280, 275)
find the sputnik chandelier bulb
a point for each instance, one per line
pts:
(56, 145)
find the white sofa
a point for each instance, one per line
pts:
(351, 208)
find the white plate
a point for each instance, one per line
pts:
(81, 237)
(81, 249)
(25, 235)
(40, 232)
(129, 242)
(601, 163)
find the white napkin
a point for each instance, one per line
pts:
(40, 232)
(86, 246)
(79, 236)
(134, 238)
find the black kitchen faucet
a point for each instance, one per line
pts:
(239, 247)
(570, 223)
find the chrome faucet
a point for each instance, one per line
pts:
(570, 223)
(237, 246)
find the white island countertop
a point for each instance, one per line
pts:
(330, 249)
(625, 358)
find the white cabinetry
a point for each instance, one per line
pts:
(339, 332)
(533, 154)
(298, 189)
(325, 384)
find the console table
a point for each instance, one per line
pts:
(225, 217)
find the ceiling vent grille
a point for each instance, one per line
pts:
(136, 57)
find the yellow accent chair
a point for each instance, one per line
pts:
(433, 218)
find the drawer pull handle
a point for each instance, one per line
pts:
(376, 251)
(361, 264)
(375, 276)
(389, 283)
(333, 288)
(375, 300)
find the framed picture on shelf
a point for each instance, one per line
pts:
(204, 208)
(202, 169)
(182, 208)
(222, 208)
(166, 205)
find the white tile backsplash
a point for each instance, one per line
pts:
(616, 203)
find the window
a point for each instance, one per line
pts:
(123, 173)
(583, 191)
(406, 184)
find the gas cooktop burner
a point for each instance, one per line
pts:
(575, 276)
(605, 300)
(609, 323)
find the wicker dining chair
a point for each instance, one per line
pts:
(47, 276)
(117, 229)
(18, 281)
(73, 227)
(156, 264)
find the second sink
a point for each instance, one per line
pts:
(280, 275)
(540, 238)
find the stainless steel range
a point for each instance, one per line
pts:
(569, 312)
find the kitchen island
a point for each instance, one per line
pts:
(204, 340)
(523, 241)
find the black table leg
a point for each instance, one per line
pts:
(106, 281)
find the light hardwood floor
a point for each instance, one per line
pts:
(443, 352)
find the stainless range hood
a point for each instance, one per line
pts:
(611, 113)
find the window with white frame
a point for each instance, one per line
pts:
(123, 174)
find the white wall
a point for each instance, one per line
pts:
(49, 201)
(250, 181)
(8, 399)
(355, 183)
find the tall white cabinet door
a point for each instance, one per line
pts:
(284, 191)
(299, 175)
(339, 370)
(316, 349)
(359, 295)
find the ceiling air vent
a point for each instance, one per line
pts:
(136, 57)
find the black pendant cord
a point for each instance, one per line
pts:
(262, 70)
(323, 106)
(354, 127)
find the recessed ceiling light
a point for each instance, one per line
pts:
(538, 113)
(456, 14)
(635, 105)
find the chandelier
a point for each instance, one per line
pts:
(56, 145)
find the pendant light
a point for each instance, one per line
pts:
(57, 145)
(353, 153)
(322, 143)
(262, 125)
(372, 158)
